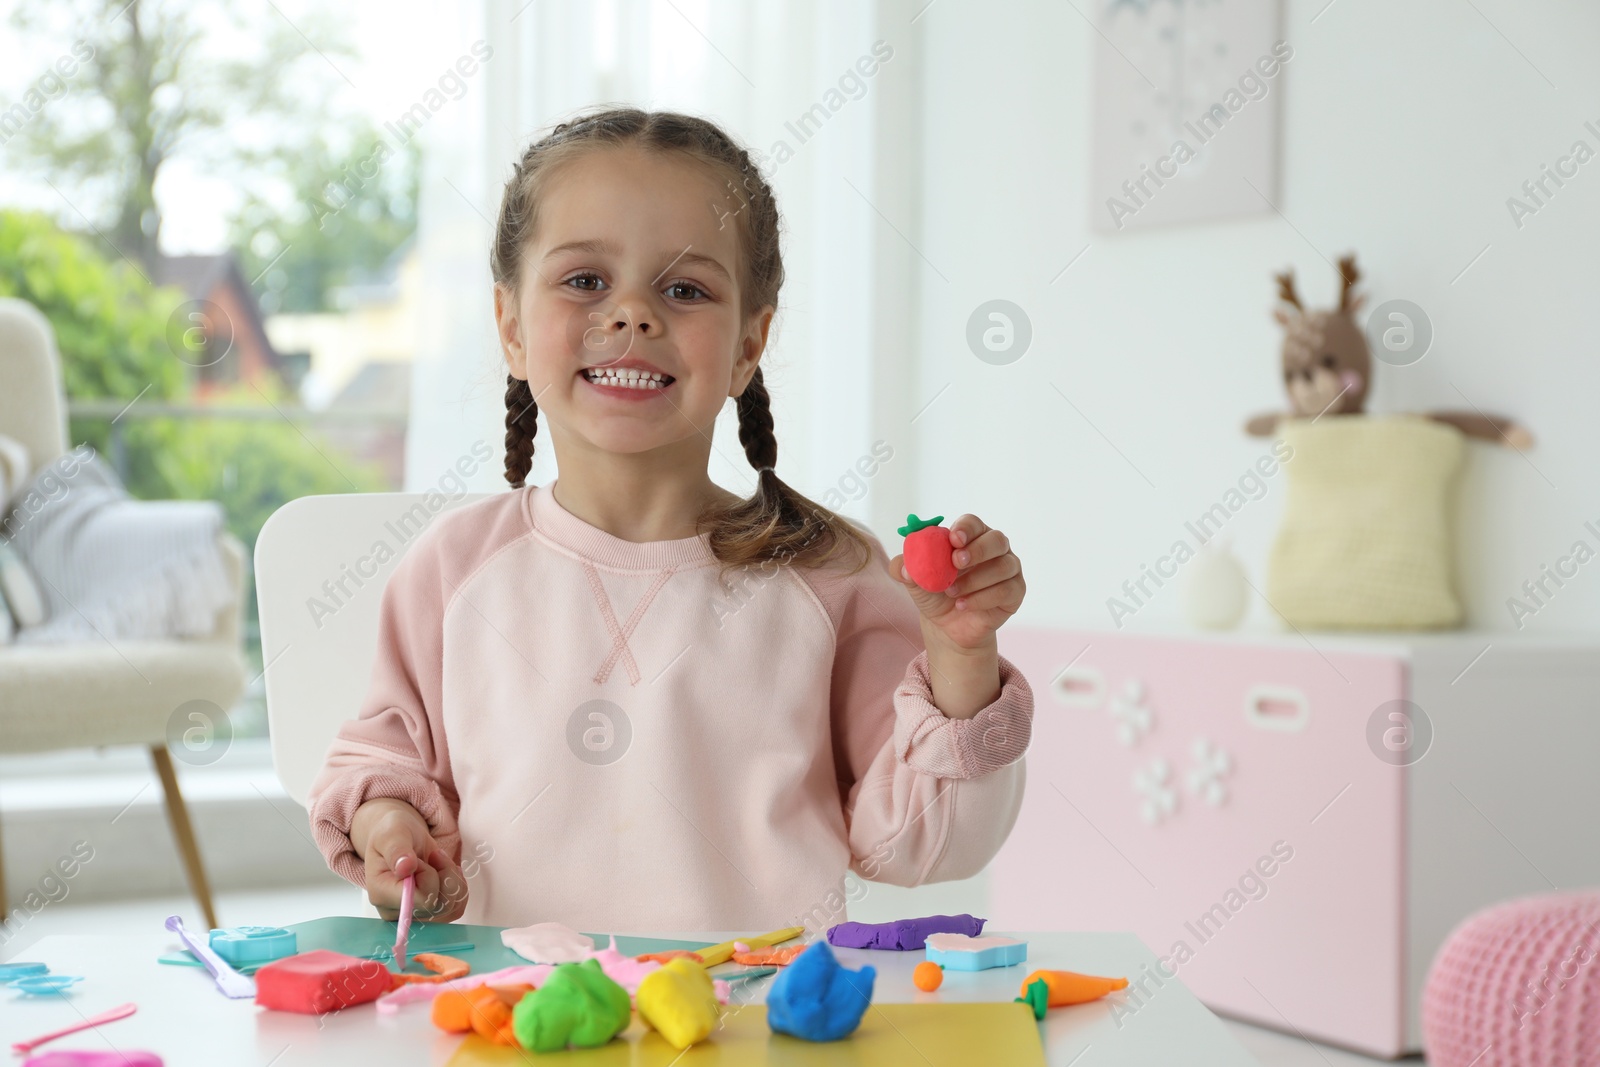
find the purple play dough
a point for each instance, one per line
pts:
(902, 935)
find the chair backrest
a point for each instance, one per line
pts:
(318, 640)
(32, 409)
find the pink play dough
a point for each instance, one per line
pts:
(1516, 985)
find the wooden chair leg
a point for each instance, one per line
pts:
(4, 911)
(183, 833)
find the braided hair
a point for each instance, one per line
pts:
(776, 523)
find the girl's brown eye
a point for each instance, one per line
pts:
(676, 286)
(583, 277)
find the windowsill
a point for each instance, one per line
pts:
(123, 775)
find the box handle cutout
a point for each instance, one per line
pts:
(1080, 687)
(1277, 707)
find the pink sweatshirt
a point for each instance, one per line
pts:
(606, 736)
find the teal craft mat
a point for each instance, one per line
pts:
(354, 935)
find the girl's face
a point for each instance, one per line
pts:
(626, 321)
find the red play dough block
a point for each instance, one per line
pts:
(320, 981)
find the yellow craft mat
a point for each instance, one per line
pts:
(915, 1035)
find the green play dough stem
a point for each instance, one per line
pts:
(1038, 997)
(913, 524)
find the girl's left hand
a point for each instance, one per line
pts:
(987, 591)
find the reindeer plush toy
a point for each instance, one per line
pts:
(1327, 366)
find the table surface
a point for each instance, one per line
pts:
(184, 1019)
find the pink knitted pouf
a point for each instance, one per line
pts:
(1518, 985)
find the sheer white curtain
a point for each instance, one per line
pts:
(775, 73)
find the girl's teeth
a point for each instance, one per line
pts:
(627, 379)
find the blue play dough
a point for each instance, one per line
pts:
(817, 999)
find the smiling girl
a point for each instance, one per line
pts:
(562, 692)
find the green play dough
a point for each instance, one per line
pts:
(1038, 997)
(577, 1005)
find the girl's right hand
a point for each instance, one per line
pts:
(397, 844)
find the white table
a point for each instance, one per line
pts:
(187, 1022)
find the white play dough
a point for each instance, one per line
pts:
(548, 943)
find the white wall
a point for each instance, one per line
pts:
(1405, 128)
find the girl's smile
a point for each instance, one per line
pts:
(628, 380)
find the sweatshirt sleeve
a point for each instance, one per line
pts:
(395, 747)
(927, 798)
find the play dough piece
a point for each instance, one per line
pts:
(1070, 987)
(958, 952)
(902, 934)
(626, 971)
(548, 943)
(927, 976)
(1036, 995)
(679, 1001)
(576, 1006)
(444, 968)
(670, 954)
(715, 954)
(319, 981)
(928, 553)
(817, 999)
(532, 974)
(769, 957)
(485, 1010)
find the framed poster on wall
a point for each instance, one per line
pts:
(1187, 95)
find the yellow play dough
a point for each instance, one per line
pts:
(679, 1001)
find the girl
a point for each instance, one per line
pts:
(629, 700)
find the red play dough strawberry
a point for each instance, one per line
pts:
(928, 553)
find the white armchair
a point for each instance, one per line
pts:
(55, 696)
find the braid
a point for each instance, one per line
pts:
(522, 425)
(755, 426)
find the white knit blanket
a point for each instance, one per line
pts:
(113, 567)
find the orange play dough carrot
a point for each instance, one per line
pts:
(1070, 987)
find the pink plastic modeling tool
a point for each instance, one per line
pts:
(408, 890)
(23, 1047)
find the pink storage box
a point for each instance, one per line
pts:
(1233, 801)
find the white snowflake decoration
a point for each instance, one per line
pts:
(1160, 798)
(1212, 765)
(1133, 718)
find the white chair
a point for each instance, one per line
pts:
(317, 642)
(86, 694)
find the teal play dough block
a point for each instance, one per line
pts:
(958, 952)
